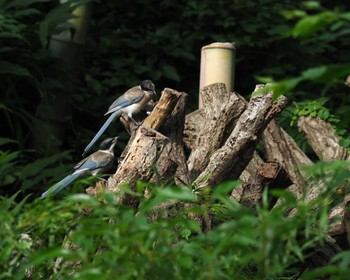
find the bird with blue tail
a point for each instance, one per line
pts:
(131, 102)
(98, 162)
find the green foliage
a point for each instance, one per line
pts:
(128, 43)
(104, 240)
(313, 108)
(19, 171)
(57, 20)
(26, 67)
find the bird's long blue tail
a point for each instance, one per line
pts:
(61, 184)
(102, 129)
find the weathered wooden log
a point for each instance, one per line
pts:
(320, 255)
(346, 218)
(172, 162)
(220, 108)
(253, 165)
(339, 217)
(325, 142)
(194, 123)
(347, 81)
(146, 148)
(281, 148)
(322, 138)
(232, 158)
(269, 174)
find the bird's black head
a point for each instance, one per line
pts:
(148, 85)
(108, 143)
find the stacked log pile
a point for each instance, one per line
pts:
(217, 143)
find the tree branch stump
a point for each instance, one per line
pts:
(235, 154)
(194, 123)
(281, 148)
(269, 174)
(172, 162)
(322, 138)
(253, 165)
(145, 150)
(325, 142)
(220, 108)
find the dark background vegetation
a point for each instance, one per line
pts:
(303, 45)
(158, 40)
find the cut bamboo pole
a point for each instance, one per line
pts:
(217, 66)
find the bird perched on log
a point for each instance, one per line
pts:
(98, 162)
(131, 102)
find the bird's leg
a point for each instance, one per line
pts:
(136, 122)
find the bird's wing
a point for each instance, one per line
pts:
(99, 133)
(132, 96)
(97, 160)
(62, 184)
(80, 163)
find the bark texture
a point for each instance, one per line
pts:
(280, 147)
(322, 138)
(269, 174)
(141, 158)
(220, 108)
(232, 158)
(325, 142)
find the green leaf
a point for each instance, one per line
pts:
(284, 86)
(43, 33)
(10, 35)
(225, 188)
(48, 254)
(16, 210)
(62, 13)
(345, 16)
(170, 72)
(177, 193)
(311, 5)
(14, 69)
(186, 233)
(314, 73)
(289, 197)
(312, 24)
(22, 3)
(4, 141)
(327, 73)
(26, 12)
(265, 80)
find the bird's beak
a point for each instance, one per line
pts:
(115, 139)
(154, 92)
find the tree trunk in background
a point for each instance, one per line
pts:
(54, 112)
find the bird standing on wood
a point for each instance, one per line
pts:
(98, 162)
(131, 102)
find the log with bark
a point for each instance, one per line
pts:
(324, 140)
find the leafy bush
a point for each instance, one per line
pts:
(104, 240)
(20, 170)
